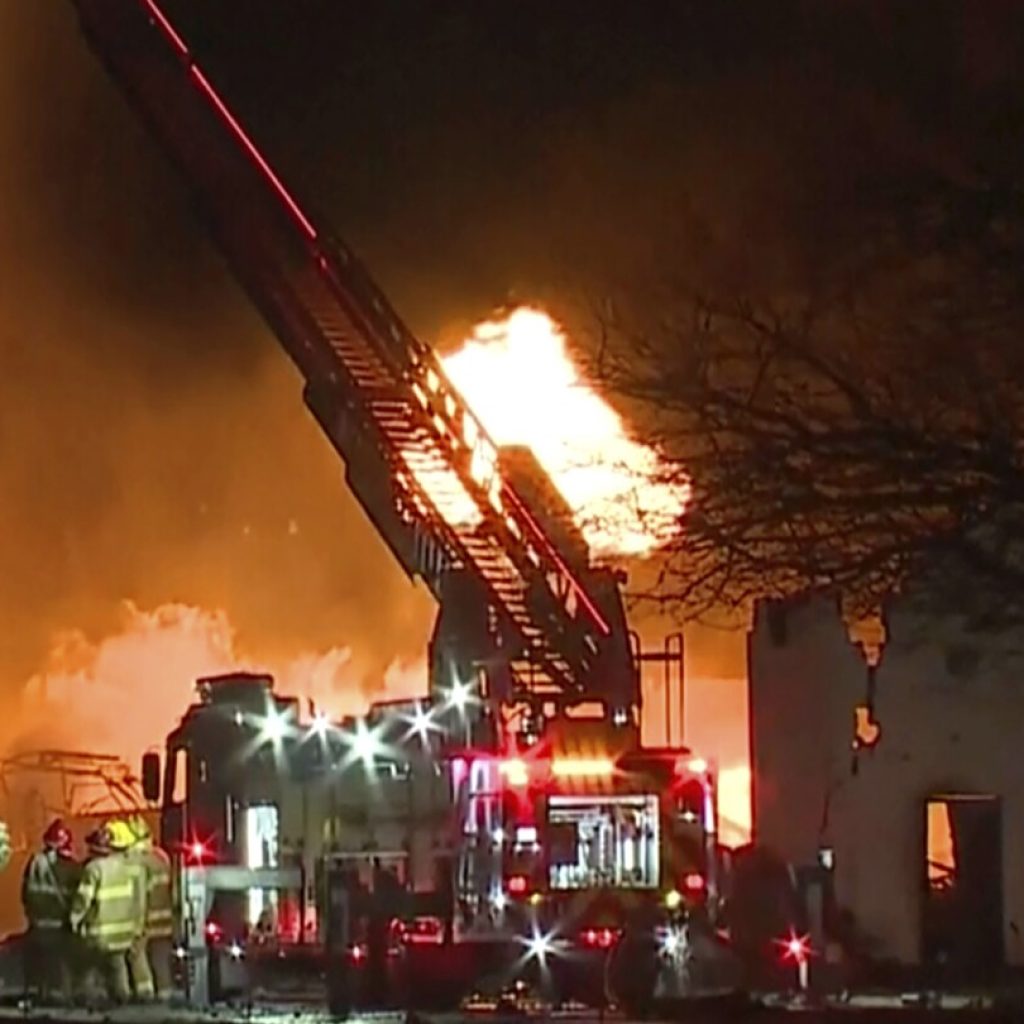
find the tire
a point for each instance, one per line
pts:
(631, 976)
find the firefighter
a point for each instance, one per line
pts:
(384, 908)
(47, 887)
(156, 947)
(122, 844)
(106, 912)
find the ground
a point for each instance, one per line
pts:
(873, 1015)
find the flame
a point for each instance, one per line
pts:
(518, 376)
(941, 845)
(121, 694)
(734, 817)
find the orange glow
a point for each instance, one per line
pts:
(691, 765)
(578, 767)
(518, 376)
(941, 852)
(150, 663)
(734, 817)
(867, 731)
(444, 488)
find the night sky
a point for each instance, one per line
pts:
(153, 444)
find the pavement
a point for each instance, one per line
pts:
(876, 1012)
(878, 1008)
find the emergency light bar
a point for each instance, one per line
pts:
(579, 767)
(517, 771)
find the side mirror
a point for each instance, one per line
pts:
(151, 777)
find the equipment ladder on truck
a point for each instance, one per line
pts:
(418, 459)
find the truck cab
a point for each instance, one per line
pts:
(249, 781)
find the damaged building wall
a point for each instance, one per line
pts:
(804, 678)
(948, 704)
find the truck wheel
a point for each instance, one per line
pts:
(632, 975)
(339, 991)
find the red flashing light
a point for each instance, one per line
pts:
(357, 953)
(795, 947)
(694, 882)
(599, 938)
(213, 930)
(425, 931)
(517, 884)
(198, 851)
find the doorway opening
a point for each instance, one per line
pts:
(962, 919)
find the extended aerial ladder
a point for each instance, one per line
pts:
(550, 631)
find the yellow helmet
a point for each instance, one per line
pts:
(121, 835)
(141, 833)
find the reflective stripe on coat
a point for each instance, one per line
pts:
(108, 910)
(156, 866)
(47, 888)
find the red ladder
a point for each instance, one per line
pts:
(420, 462)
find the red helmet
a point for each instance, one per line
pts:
(57, 837)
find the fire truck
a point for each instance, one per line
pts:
(515, 810)
(577, 859)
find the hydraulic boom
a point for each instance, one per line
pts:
(417, 458)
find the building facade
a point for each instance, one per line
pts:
(906, 778)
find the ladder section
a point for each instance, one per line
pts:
(371, 383)
(422, 464)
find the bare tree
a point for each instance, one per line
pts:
(857, 425)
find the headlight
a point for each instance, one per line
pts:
(539, 947)
(671, 941)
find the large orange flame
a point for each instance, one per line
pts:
(518, 376)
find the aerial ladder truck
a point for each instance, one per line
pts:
(545, 803)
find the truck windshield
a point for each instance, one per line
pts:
(604, 840)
